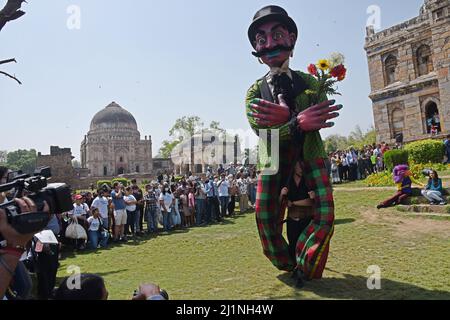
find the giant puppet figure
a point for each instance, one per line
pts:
(278, 101)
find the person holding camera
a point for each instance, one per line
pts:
(92, 288)
(139, 195)
(150, 201)
(167, 201)
(132, 212)
(14, 243)
(120, 214)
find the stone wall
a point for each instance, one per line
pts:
(411, 92)
(60, 162)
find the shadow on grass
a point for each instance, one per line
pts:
(344, 221)
(102, 274)
(355, 287)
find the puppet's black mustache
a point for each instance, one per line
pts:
(268, 51)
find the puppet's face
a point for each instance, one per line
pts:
(273, 39)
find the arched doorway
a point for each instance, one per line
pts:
(120, 171)
(432, 118)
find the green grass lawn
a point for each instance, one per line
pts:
(225, 261)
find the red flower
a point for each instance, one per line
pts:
(339, 72)
(312, 69)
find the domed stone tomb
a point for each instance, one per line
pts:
(113, 145)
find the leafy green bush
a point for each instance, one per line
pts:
(393, 158)
(426, 151)
(178, 178)
(100, 183)
(385, 178)
(124, 181)
(381, 179)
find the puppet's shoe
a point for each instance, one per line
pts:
(300, 283)
(380, 206)
(294, 275)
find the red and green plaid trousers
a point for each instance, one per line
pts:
(313, 243)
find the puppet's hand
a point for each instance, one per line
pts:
(316, 117)
(312, 195)
(268, 114)
(290, 204)
(284, 192)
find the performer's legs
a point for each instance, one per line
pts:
(294, 230)
(270, 226)
(402, 197)
(389, 202)
(311, 245)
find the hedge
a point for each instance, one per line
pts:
(426, 151)
(100, 183)
(385, 178)
(393, 158)
(124, 181)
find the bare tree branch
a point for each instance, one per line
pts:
(8, 61)
(11, 12)
(12, 77)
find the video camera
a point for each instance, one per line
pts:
(162, 292)
(57, 196)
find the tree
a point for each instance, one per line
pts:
(189, 125)
(10, 12)
(167, 147)
(76, 164)
(24, 160)
(3, 156)
(356, 139)
(215, 125)
(335, 142)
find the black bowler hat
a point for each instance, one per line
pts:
(270, 13)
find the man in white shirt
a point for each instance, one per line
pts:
(101, 203)
(132, 213)
(80, 210)
(223, 185)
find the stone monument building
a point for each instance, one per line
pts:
(409, 75)
(113, 145)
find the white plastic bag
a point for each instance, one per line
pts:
(75, 231)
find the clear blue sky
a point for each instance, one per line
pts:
(164, 59)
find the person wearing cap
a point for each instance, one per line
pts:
(278, 101)
(80, 213)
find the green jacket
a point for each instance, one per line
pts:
(313, 145)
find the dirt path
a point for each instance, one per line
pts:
(415, 224)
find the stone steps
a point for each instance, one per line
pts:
(427, 210)
(417, 200)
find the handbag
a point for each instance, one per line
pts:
(75, 231)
